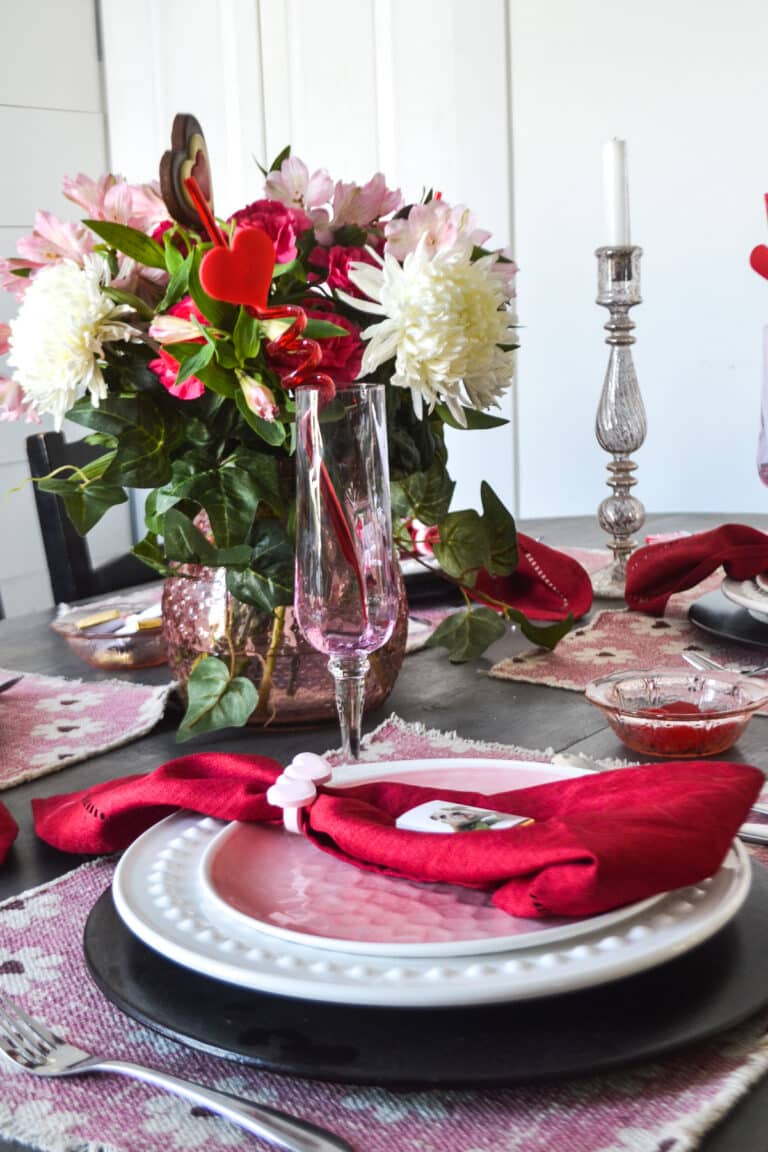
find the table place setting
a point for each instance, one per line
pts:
(425, 937)
(79, 954)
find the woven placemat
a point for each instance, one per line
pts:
(666, 1104)
(48, 722)
(618, 639)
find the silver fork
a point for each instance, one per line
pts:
(33, 1047)
(701, 662)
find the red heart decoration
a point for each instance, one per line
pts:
(759, 260)
(241, 274)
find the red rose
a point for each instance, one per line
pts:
(283, 224)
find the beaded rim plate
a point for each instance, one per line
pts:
(158, 895)
(255, 876)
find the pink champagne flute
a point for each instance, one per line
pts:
(346, 592)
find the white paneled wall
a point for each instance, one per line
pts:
(51, 124)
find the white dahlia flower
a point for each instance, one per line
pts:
(445, 319)
(58, 336)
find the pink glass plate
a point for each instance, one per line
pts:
(282, 885)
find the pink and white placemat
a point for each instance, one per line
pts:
(617, 638)
(48, 722)
(663, 1105)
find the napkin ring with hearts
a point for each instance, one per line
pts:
(296, 787)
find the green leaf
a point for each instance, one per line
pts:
(425, 495)
(86, 507)
(215, 699)
(144, 434)
(463, 545)
(545, 635)
(501, 533)
(229, 496)
(323, 329)
(468, 633)
(190, 365)
(284, 269)
(271, 431)
(149, 552)
(218, 378)
(185, 543)
(133, 243)
(139, 306)
(475, 420)
(278, 160)
(269, 580)
(179, 281)
(247, 336)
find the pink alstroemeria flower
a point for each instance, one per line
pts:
(16, 285)
(353, 204)
(12, 403)
(178, 324)
(294, 186)
(113, 198)
(259, 398)
(53, 240)
(440, 225)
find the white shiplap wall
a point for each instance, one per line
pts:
(51, 124)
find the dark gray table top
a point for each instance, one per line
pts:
(429, 689)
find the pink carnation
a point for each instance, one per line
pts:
(283, 224)
(166, 368)
(336, 261)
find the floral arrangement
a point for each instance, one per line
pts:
(115, 332)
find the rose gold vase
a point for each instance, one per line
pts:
(200, 618)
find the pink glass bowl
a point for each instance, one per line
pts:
(101, 649)
(677, 714)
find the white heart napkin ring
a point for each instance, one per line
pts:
(296, 787)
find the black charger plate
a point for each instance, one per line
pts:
(717, 985)
(719, 616)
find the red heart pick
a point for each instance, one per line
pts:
(759, 260)
(241, 274)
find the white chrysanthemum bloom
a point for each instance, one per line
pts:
(445, 317)
(58, 336)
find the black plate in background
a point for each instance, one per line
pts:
(718, 615)
(717, 985)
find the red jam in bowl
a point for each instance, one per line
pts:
(677, 714)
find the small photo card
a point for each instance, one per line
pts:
(440, 816)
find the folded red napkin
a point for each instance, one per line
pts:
(110, 816)
(546, 585)
(597, 842)
(655, 573)
(8, 831)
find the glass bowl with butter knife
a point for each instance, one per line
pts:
(114, 636)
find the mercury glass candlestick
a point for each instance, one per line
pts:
(620, 424)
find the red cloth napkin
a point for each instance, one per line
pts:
(546, 585)
(8, 831)
(598, 841)
(655, 573)
(110, 816)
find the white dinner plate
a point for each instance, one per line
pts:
(747, 594)
(284, 886)
(159, 895)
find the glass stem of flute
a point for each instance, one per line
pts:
(349, 679)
